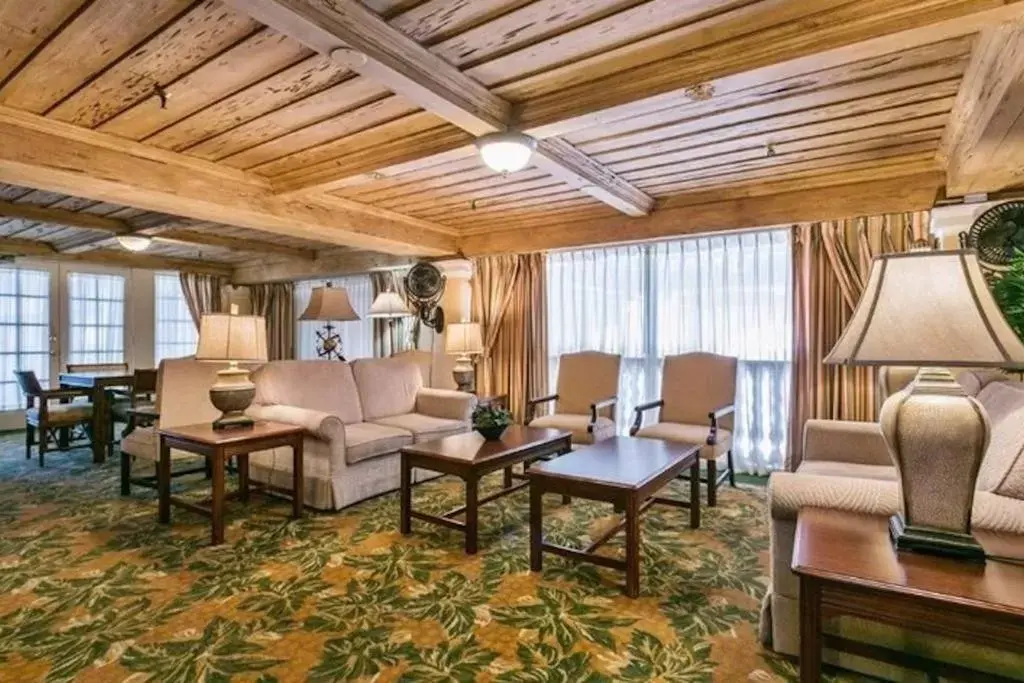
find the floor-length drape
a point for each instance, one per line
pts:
(202, 294)
(275, 302)
(510, 303)
(393, 335)
(831, 261)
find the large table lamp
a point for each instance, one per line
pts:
(234, 339)
(329, 304)
(931, 309)
(464, 341)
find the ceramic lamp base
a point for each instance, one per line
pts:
(231, 395)
(464, 375)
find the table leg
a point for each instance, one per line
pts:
(566, 448)
(163, 481)
(217, 502)
(632, 548)
(472, 514)
(405, 504)
(536, 526)
(695, 495)
(810, 630)
(243, 477)
(99, 424)
(298, 478)
(508, 478)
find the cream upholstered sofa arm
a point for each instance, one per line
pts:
(858, 443)
(790, 491)
(323, 426)
(445, 403)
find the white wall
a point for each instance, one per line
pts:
(947, 222)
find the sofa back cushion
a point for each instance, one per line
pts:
(183, 391)
(694, 384)
(435, 369)
(1002, 470)
(387, 386)
(324, 385)
(585, 378)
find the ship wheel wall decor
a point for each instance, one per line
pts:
(997, 235)
(424, 285)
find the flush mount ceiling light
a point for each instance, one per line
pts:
(134, 242)
(506, 152)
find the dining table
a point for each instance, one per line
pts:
(98, 382)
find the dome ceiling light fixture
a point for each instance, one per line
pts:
(134, 242)
(506, 152)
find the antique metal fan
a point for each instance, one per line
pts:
(997, 234)
(424, 285)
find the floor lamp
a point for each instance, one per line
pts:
(389, 306)
(327, 304)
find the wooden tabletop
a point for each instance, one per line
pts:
(621, 461)
(473, 448)
(204, 432)
(856, 549)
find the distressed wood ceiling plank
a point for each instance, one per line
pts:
(24, 29)
(438, 20)
(466, 190)
(417, 180)
(565, 162)
(207, 237)
(467, 199)
(99, 35)
(14, 246)
(58, 216)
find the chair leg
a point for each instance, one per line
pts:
(126, 474)
(711, 483)
(42, 446)
(732, 470)
(30, 432)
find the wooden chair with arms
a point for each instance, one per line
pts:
(53, 422)
(129, 404)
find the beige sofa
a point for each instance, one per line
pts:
(357, 416)
(846, 465)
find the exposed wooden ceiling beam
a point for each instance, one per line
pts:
(359, 39)
(211, 239)
(841, 201)
(127, 259)
(975, 147)
(328, 264)
(50, 155)
(13, 246)
(70, 219)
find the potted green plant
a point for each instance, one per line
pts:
(1008, 291)
(491, 421)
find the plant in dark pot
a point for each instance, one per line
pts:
(491, 421)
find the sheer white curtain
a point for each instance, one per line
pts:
(175, 334)
(728, 294)
(96, 320)
(356, 336)
(24, 330)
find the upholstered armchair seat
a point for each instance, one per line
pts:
(582, 430)
(586, 397)
(686, 433)
(62, 413)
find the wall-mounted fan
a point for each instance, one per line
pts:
(424, 285)
(997, 234)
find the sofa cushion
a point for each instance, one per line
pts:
(1002, 470)
(604, 428)
(848, 469)
(424, 427)
(365, 440)
(323, 385)
(387, 386)
(688, 433)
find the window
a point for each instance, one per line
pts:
(356, 335)
(96, 318)
(176, 333)
(729, 294)
(24, 330)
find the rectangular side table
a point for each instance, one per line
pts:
(219, 446)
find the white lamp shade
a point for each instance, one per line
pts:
(928, 308)
(506, 152)
(329, 303)
(239, 338)
(463, 339)
(388, 305)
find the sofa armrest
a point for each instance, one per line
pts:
(323, 426)
(859, 443)
(790, 491)
(446, 403)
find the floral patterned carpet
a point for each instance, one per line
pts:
(93, 589)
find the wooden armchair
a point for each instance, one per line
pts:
(55, 423)
(131, 406)
(698, 392)
(586, 397)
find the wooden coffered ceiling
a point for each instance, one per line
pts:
(248, 133)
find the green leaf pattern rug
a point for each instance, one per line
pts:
(92, 588)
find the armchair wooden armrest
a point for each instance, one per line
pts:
(638, 418)
(714, 416)
(600, 405)
(51, 394)
(532, 403)
(142, 416)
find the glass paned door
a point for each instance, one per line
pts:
(96, 317)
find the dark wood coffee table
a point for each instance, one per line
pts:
(847, 566)
(624, 471)
(470, 457)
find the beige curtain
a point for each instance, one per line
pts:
(510, 302)
(276, 303)
(202, 294)
(392, 335)
(831, 261)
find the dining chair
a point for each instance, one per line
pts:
(698, 393)
(54, 423)
(585, 399)
(128, 403)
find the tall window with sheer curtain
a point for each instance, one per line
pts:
(96, 318)
(175, 335)
(356, 335)
(727, 294)
(24, 330)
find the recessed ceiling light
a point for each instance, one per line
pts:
(134, 242)
(506, 152)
